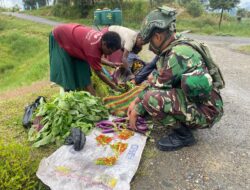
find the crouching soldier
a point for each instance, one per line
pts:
(184, 88)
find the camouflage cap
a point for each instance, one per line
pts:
(161, 18)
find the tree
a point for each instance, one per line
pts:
(32, 4)
(223, 5)
(242, 12)
(195, 8)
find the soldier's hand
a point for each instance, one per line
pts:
(132, 119)
(130, 108)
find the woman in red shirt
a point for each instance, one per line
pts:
(74, 49)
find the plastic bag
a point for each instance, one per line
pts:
(67, 169)
(29, 110)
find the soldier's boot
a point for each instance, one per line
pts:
(179, 138)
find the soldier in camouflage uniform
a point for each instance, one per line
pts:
(181, 92)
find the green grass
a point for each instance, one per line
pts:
(23, 52)
(244, 49)
(19, 162)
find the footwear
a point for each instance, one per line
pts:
(76, 138)
(179, 138)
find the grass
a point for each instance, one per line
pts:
(244, 49)
(23, 52)
(13, 135)
(24, 60)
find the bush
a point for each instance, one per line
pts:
(17, 168)
(195, 8)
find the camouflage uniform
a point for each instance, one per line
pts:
(181, 91)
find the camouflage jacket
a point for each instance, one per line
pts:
(183, 67)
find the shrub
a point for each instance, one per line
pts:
(17, 168)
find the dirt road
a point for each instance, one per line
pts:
(221, 158)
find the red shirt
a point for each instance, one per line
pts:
(81, 42)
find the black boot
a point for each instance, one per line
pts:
(179, 138)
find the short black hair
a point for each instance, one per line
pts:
(112, 40)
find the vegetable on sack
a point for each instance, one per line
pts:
(122, 123)
(119, 147)
(103, 139)
(125, 134)
(65, 111)
(108, 161)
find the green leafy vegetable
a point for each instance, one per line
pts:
(66, 110)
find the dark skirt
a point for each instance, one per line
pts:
(67, 71)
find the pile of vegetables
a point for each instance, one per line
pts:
(66, 110)
(123, 123)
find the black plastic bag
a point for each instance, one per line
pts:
(29, 110)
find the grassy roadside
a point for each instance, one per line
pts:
(23, 52)
(244, 49)
(18, 161)
(24, 60)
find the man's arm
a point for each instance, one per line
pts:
(106, 80)
(125, 58)
(109, 63)
(146, 70)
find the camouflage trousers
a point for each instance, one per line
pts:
(171, 107)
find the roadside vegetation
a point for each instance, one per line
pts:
(24, 60)
(23, 52)
(191, 16)
(244, 49)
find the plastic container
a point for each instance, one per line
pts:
(106, 17)
(97, 17)
(117, 16)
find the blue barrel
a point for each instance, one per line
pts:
(97, 17)
(117, 16)
(106, 17)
